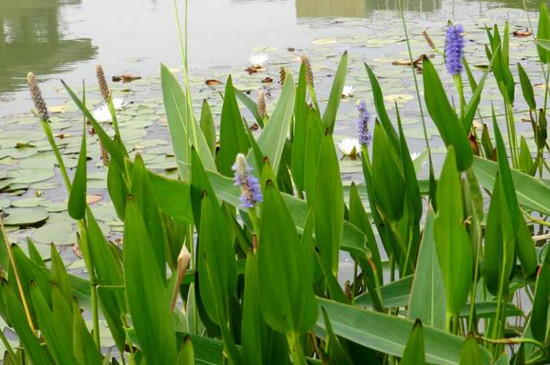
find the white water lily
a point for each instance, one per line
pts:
(348, 91)
(414, 155)
(102, 113)
(349, 146)
(119, 103)
(258, 59)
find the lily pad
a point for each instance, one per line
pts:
(25, 216)
(61, 233)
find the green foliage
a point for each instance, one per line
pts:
(202, 278)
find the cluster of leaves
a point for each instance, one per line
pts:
(200, 279)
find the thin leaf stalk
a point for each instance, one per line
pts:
(49, 135)
(417, 89)
(295, 347)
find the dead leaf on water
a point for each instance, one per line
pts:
(126, 78)
(267, 80)
(213, 82)
(92, 199)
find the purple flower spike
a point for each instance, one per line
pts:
(454, 49)
(363, 133)
(250, 187)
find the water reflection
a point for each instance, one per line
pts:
(358, 8)
(31, 38)
(364, 8)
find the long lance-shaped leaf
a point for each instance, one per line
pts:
(115, 151)
(532, 193)
(272, 140)
(286, 296)
(328, 206)
(444, 116)
(454, 249)
(184, 129)
(414, 352)
(389, 334)
(427, 298)
(147, 298)
(329, 116)
(77, 196)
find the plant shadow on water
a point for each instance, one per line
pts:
(224, 244)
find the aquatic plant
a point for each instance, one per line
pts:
(454, 49)
(220, 265)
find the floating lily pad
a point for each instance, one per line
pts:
(29, 176)
(25, 216)
(61, 233)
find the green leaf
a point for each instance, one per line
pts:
(541, 302)
(54, 333)
(531, 192)
(251, 106)
(328, 206)
(177, 204)
(286, 295)
(442, 113)
(301, 126)
(233, 137)
(381, 108)
(118, 190)
(388, 180)
(84, 348)
(471, 353)
(543, 33)
(184, 130)
(142, 194)
(272, 140)
(454, 249)
(525, 158)
(527, 88)
(147, 298)
(414, 351)
(186, 355)
(19, 322)
(329, 116)
(77, 196)
(473, 104)
(117, 154)
(108, 269)
(427, 300)
(389, 334)
(207, 127)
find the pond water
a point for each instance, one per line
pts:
(65, 39)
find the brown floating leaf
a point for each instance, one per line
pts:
(522, 33)
(212, 82)
(126, 78)
(267, 80)
(254, 69)
(92, 199)
(77, 251)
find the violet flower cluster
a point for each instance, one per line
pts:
(364, 135)
(250, 187)
(454, 49)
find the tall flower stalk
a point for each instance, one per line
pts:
(251, 193)
(454, 51)
(364, 135)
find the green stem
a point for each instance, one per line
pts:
(49, 136)
(460, 88)
(7, 344)
(417, 89)
(295, 349)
